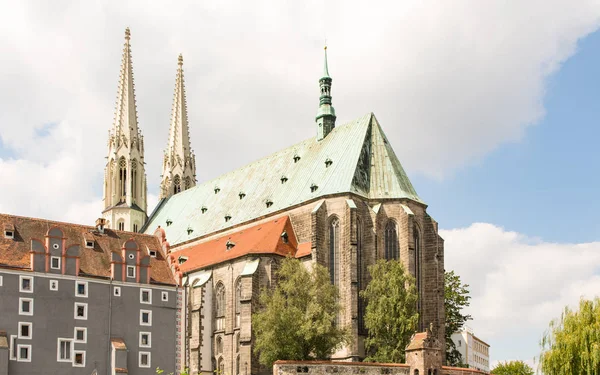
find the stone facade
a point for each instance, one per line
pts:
(362, 226)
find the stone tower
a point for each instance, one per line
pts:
(326, 113)
(179, 161)
(125, 187)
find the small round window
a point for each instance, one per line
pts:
(55, 246)
(131, 256)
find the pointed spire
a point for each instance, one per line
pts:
(125, 127)
(326, 114)
(179, 160)
(325, 68)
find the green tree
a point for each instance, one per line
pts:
(160, 371)
(512, 368)
(571, 345)
(297, 317)
(391, 314)
(456, 298)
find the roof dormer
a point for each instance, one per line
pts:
(9, 231)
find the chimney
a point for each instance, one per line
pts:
(100, 223)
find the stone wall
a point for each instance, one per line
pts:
(341, 368)
(360, 368)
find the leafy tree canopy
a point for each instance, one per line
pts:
(391, 314)
(297, 318)
(456, 298)
(512, 368)
(572, 343)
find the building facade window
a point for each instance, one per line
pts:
(238, 303)
(145, 340)
(24, 353)
(334, 251)
(81, 311)
(146, 296)
(81, 289)
(219, 311)
(78, 358)
(144, 360)
(80, 334)
(131, 272)
(164, 296)
(121, 225)
(391, 241)
(25, 330)
(360, 276)
(176, 184)
(417, 273)
(122, 180)
(145, 317)
(117, 291)
(55, 263)
(25, 306)
(54, 285)
(64, 350)
(25, 284)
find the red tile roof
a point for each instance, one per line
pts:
(14, 253)
(263, 238)
(304, 249)
(118, 343)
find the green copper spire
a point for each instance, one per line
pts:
(326, 113)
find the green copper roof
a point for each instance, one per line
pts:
(355, 157)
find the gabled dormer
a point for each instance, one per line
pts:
(53, 255)
(9, 231)
(130, 264)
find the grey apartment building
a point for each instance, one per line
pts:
(77, 299)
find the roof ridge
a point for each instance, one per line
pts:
(277, 152)
(70, 224)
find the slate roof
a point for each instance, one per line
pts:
(14, 253)
(264, 238)
(353, 158)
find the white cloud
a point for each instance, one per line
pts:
(519, 284)
(449, 81)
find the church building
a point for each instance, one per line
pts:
(340, 199)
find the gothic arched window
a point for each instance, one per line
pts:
(134, 179)
(187, 182)
(219, 309)
(238, 302)
(121, 225)
(334, 251)
(176, 184)
(122, 179)
(391, 241)
(360, 275)
(417, 270)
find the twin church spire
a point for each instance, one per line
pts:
(179, 161)
(125, 186)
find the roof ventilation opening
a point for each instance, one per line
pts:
(227, 218)
(182, 259)
(283, 179)
(242, 194)
(169, 222)
(229, 245)
(296, 158)
(217, 190)
(190, 230)
(89, 244)
(204, 209)
(269, 203)
(328, 162)
(313, 188)
(284, 237)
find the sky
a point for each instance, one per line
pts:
(490, 106)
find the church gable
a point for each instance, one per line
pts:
(353, 158)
